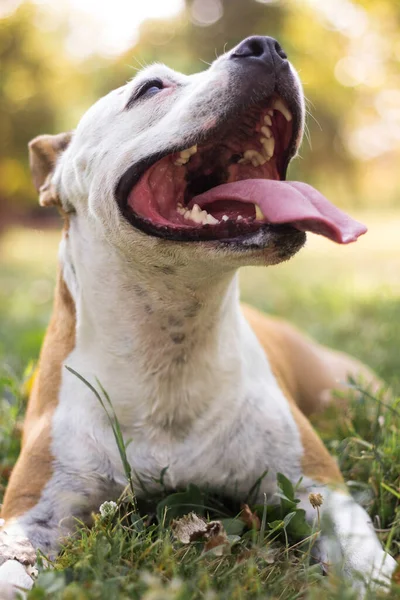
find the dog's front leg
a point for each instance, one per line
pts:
(347, 540)
(44, 499)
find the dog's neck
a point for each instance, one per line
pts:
(155, 336)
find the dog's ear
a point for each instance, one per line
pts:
(43, 153)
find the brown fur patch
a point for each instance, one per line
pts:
(297, 378)
(34, 466)
(43, 153)
(310, 371)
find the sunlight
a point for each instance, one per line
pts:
(119, 20)
(106, 28)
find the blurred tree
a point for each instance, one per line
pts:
(39, 82)
(23, 67)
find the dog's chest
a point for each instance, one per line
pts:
(238, 439)
(227, 456)
(221, 425)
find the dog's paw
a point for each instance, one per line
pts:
(9, 592)
(367, 569)
(17, 560)
(15, 547)
(14, 578)
(380, 576)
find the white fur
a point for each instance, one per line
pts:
(349, 541)
(13, 575)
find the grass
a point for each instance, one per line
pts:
(345, 297)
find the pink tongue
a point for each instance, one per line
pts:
(290, 202)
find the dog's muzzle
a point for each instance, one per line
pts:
(232, 183)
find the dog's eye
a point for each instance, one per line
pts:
(151, 87)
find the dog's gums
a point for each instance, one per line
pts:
(233, 185)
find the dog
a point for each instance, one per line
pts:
(168, 186)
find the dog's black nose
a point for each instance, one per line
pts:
(262, 49)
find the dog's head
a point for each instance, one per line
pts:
(193, 165)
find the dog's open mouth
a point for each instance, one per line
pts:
(232, 185)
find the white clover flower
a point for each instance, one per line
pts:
(108, 509)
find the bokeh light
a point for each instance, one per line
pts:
(206, 12)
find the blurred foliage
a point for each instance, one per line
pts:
(38, 85)
(346, 51)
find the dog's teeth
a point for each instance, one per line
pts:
(279, 105)
(267, 120)
(189, 152)
(254, 157)
(269, 147)
(270, 112)
(266, 131)
(259, 214)
(239, 218)
(264, 141)
(225, 217)
(246, 158)
(198, 216)
(249, 154)
(185, 155)
(211, 220)
(193, 216)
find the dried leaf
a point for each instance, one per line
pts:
(189, 528)
(249, 518)
(192, 528)
(216, 539)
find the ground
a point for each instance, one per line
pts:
(346, 297)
